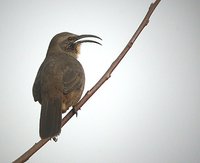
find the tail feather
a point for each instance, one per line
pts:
(50, 118)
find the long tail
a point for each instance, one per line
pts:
(50, 118)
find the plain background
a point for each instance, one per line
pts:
(147, 112)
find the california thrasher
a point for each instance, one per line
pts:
(60, 81)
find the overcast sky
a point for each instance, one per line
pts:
(147, 112)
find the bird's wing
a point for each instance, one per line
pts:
(72, 79)
(36, 90)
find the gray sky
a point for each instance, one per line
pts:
(147, 112)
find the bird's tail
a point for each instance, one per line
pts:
(50, 118)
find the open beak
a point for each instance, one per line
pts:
(78, 41)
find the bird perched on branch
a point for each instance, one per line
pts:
(60, 81)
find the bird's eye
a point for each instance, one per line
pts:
(70, 38)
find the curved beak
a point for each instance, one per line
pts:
(84, 36)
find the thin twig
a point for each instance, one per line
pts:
(105, 77)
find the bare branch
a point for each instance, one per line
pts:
(105, 77)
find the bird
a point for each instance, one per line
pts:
(60, 81)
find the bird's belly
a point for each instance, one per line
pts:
(70, 99)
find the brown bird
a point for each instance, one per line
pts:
(60, 81)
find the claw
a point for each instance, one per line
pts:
(75, 112)
(55, 139)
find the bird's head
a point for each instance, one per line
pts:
(69, 43)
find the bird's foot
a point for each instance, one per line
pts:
(55, 139)
(75, 112)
